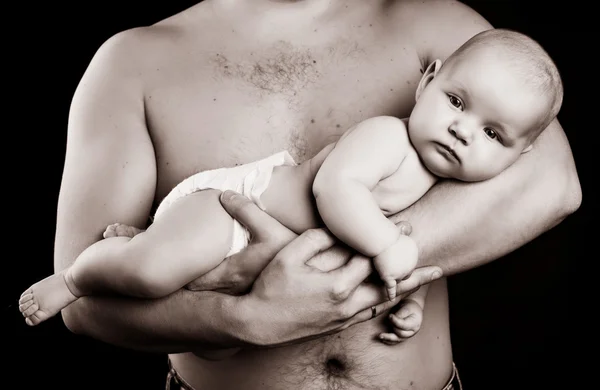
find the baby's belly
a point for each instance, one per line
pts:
(352, 359)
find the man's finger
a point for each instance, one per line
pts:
(306, 246)
(332, 258)
(236, 273)
(369, 301)
(419, 277)
(251, 261)
(259, 223)
(367, 295)
(352, 274)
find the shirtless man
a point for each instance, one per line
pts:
(229, 81)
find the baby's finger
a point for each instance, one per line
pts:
(410, 323)
(406, 310)
(405, 334)
(405, 228)
(390, 286)
(389, 338)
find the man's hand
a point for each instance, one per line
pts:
(311, 287)
(235, 274)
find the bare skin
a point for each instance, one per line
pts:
(47, 297)
(123, 266)
(157, 104)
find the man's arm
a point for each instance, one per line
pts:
(459, 226)
(110, 176)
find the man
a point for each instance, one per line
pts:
(229, 81)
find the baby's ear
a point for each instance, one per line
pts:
(428, 75)
(527, 149)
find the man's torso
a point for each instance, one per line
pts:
(229, 82)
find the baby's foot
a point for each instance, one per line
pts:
(45, 299)
(406, 322)
(120, 230)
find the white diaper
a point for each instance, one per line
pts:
(250, 179)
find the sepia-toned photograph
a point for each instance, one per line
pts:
(297, 195)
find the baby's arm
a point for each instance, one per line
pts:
(367, 153)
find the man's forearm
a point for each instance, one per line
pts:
(183, 321)
(460, 226)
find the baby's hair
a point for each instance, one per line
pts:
(528, 58)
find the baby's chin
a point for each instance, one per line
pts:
(445, 172)
(437, 169)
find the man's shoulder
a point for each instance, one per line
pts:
(441, 26)
(145, 37)
(135, 46)
(442, 11)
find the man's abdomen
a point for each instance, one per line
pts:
(352, 359)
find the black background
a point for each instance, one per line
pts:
(514, 322)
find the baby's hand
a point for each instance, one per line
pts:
(406, 322)
(396, 263)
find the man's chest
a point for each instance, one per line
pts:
(235, 105)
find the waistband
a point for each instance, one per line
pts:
(454, 382)
(176, 382)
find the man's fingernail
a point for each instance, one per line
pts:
(227, 195)
(436, 275)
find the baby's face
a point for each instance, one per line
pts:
(474, 119)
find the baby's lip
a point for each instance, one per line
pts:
(450, 151)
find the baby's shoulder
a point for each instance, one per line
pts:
(386, 128)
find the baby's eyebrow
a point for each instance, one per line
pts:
(462, 90)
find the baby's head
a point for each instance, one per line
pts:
(485, 105)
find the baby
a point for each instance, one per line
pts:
(475, 114)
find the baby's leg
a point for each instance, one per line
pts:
(45, 299)
(189, 239)
(407, 320)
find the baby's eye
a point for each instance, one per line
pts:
(490, 133)
(455, 101)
